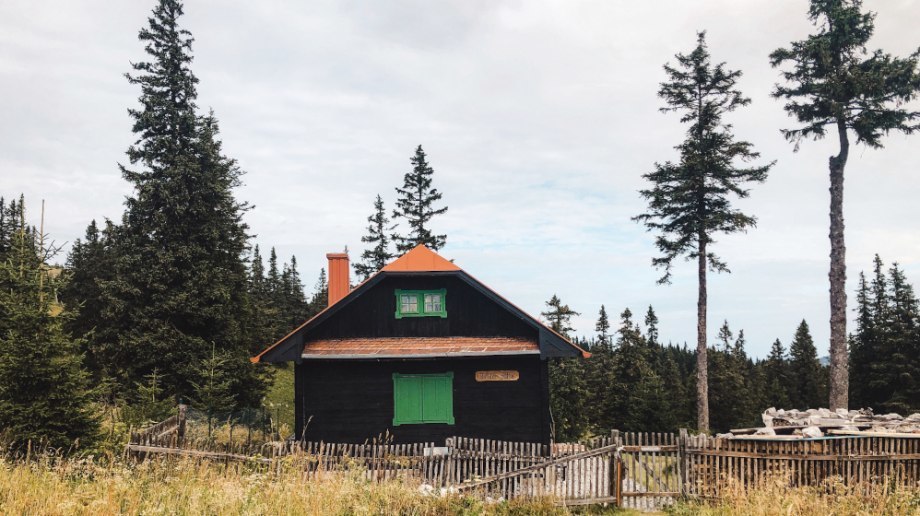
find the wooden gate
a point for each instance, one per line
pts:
(649, 472)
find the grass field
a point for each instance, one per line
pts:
(114, 486)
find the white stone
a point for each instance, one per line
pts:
(812, 431)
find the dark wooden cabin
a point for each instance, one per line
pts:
(422, 351)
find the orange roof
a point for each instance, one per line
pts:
(396, 347)
(420, 259)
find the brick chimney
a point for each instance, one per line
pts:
(339, 282)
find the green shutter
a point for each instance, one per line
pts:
(423, 398)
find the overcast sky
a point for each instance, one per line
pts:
(538, 117)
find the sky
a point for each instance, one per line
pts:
(539, 119)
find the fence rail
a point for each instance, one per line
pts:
(636, 469)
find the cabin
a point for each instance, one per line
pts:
(421, 351)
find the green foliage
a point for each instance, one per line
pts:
(45, 395)
(603, 328)
(149, 405)
(777, 377)
(171, 279)
(885, 349)
(374, 259)
(569, 399)
(559, 316)
(833, 80)
(689, 200)
(731, 400)
(806, 375)
(213, 394)
(416, 204)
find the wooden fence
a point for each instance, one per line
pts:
(638, 470)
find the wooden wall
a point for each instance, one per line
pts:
(351, 401)
(469, 314)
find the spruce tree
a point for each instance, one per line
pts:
(729, 399)
(901, 356)
(559, 316)
(603, 329)
(834, 81)
(805, 371)
(635, 401)
(45, 396)
(416, 204)
(689, 201)
(213, 394)
(862, 346)
(179, 279)
(320, 299)
(776, 376)
(651, 326)
(375, 258)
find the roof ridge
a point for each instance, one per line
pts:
(420, 259)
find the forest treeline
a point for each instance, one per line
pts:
(635, 382)
(169, 300)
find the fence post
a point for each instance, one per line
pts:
(181, 422)
(682, 460)
(615, 481)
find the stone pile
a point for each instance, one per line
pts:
(820, 422)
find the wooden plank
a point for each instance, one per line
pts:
(868, 433)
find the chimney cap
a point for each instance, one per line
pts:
(336, 255)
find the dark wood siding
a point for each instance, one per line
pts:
(351, 401)
(469, 314)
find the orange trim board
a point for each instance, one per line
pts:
(428, 346)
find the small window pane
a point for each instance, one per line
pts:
(432, 303)
(408, 304)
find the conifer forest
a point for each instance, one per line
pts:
(166, 301)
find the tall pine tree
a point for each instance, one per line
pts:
(834, 81)
(374, 259)
(689, 201)
(416, 204)
(179, 279)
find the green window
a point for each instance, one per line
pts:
(421, 303)
(423, 398)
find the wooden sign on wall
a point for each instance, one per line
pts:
(497, 376)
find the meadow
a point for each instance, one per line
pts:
(116, 485)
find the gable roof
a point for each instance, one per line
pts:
(419, 261)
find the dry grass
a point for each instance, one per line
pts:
(774, 497)
(66, 487)
(51, 485)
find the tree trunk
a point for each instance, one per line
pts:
(839, 372)
(702, 365)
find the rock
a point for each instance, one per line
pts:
(823, 412)
(812, 432)
(767, 420)
(770, 411)
(913, 417)
(765, 431)
(729, 435)
(844, 413)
